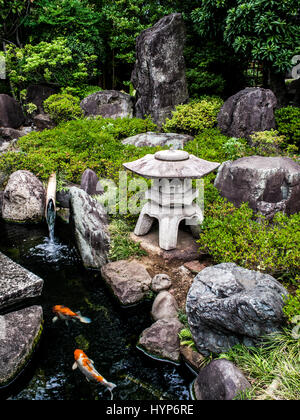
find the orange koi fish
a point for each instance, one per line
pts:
(86, 366)
(65, 314)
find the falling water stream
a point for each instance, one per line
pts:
(110, 340)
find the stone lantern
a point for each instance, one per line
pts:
(171, 198)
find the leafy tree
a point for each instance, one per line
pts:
(263, 30)
(53, 63)
(75, 20)
(12, 16)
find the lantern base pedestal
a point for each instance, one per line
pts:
(187, 248)
(168, 222)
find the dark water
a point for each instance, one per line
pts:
(110, 340)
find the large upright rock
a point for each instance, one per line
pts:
(227, 305)
(248, 111)
(89, 222)
(11, 114)
(159, 73)
(108, 104)
(268, 184)
(24, 198)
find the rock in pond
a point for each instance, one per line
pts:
(220, 380)
(159, 74)
(268, 184)
(150, 139)
(161, 282)
(129, 281)
(109, 104)
(227, 305)
(164, 306)
(19, 334)
(24, 199)
(89, 223)
(161, 340)
(17, 283)
(248, 111)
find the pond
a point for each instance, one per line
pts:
(110, 340)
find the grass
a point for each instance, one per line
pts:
(273, 369)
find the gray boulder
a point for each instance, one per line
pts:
(228, 304)
(159, 73)
(16, 283)
(90, 183)
(37, 94)
(220, 380)
(108, 104)
(24, 198)
(161, 282)
(89, 223)
(161, 340)
(164, 306)
(11, 113)
(268, 184)
(19, 334)
(177, 141)
(128, 280)
(248, 111)
(43, 122)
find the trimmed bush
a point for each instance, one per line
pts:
(194, 117)
(232, 234)
(63, 107)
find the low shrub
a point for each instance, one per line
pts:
(214, 146)
(291, 307)
(74, 146)
(288, 123)
(81, 91)
(231, 234)
(194, 117)
(63, 107)
(268, 143)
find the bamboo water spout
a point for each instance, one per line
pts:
(50, 209)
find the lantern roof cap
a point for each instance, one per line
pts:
(171, 164)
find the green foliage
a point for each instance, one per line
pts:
(194, 117)
(288, 123)
(268, 143)
(52, 63)
(63, 107)
(231, 234)
(81, 91)
(121, 246)
(12, 14)
(234, 148)
(76, 20)
(257, 29)
(214, 146)
(74, 146)
(186, 339)
(291, 307)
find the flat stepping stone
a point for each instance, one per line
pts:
(19, 335)
(17, 283)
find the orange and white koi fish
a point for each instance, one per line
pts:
(65, 314)
(86, 366)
